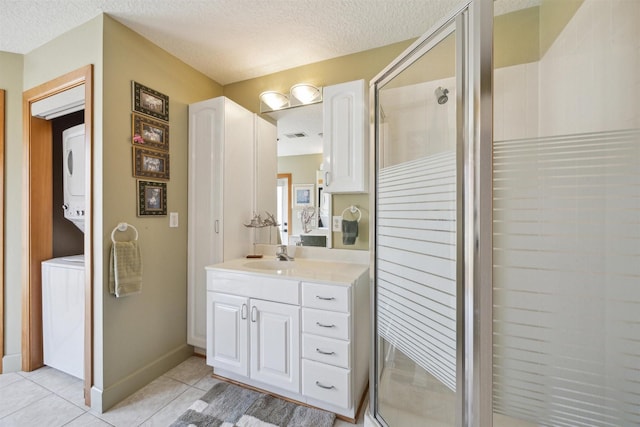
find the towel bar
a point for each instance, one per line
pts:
(122, 227)
(353, 209)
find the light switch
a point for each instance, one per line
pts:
(337, 223)
(173, 219)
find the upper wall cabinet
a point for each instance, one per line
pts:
(346, 157)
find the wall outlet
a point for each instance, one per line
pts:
(173, 219)
(337, 223)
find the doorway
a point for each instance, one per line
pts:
(284, 206)
(38, 224)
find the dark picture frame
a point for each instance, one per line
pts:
(152, 198)
(150, 102)
(149, 132)
(150, 163)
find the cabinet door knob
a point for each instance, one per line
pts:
(325, 326)
(325, 298)
(326, 387)
(326, 178)
(243, 312)
(254, 314)
(217, 226)
(328, 353)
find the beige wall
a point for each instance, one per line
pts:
(11, 81)
(302, 168)
(146, 332)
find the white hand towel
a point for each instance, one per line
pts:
(125, 269)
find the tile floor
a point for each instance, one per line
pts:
(47, 397)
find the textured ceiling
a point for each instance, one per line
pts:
(234, 40)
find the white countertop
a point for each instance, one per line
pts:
(300, 269)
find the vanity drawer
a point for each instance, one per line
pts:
(254, 286)
(325, 297)
(326, 350)
(326, 383)
(326, 323)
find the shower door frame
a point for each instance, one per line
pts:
(473, 26)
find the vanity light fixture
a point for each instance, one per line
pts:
(299, 94)
(274, 100)
(305, 93)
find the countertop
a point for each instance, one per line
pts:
(329, 271)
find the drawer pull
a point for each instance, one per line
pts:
(325, 326)
(325, 298)
(328, 353)
(326, 387)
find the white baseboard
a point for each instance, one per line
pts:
(12, 363)
(102, 400)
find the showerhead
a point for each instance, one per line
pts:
(441, 95)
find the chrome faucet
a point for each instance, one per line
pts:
(281, 253)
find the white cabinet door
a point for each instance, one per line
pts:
(227, 332)
(206, 133)
(221, 186)
(275, 344)
(344, 138)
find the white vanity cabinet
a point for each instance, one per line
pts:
(223, 186)
(253, 328)
(302, 339)
(345, 145)
(254, 338)
(275, 344)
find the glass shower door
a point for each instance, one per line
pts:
(416, 238)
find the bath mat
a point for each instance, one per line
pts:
(229, 405)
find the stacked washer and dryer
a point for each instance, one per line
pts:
(63, 278)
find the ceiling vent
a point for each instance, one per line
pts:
(296, 135)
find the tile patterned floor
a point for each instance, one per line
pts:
(47, 397)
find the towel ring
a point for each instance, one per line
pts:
(122, 227)
(353, 209)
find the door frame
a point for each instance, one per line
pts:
(473, 20)
(2, 142)
(37, 222)
(287, 176)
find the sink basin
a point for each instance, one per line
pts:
(270, 264)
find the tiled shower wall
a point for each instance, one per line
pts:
(588, 80)
(567, 225)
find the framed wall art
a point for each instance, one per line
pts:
(150, 163)
(150, 102)
(152, 198)
(149, 132)
(303, 195)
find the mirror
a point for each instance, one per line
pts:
(303, 210)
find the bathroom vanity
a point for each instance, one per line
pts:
(298, 328)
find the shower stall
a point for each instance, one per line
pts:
(506, 261)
